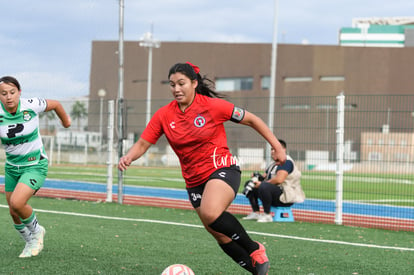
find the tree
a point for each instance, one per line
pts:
(78, 112)
(48, 116)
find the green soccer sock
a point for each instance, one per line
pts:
(31, 223)
(23, 231)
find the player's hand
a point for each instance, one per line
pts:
(67, 123)
(124, 162)
(280, 157)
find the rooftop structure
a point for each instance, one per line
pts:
(379, 32)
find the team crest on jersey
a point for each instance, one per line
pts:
(199, 121)
(26, 116)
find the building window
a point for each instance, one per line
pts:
(334, 106)
(297, 79)
(374, 156)
(402, 157)
(265, 82)
(403, 143)
(326, 106)
(331, 78)
(369, 142)
(296, 106)
(234, 84)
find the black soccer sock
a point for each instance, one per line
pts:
(228, 225)
(239, 255)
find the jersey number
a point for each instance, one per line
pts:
(14, 129)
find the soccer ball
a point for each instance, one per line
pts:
(177, 269)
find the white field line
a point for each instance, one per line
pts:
(200, 226)
(331, 178)
(360, 179)
(380, 201)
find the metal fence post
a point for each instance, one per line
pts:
(121, 99)
(339, 157)
(109, 178)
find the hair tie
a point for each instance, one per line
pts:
(196, 69)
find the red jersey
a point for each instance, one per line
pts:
(197, 135)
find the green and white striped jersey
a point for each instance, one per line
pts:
(19, 132)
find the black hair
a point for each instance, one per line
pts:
(10, 80)
(205, 86)
(283, 143)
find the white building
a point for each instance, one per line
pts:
(379, 32)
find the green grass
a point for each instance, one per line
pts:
(143, 245)
(391, 189)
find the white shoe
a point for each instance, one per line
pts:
(27, 251)
(37, 241)
(265, 218)
(252, 216)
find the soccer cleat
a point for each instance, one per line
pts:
(252, 216)
(265, 218)
(37, 241)
(27, 251)
(260, 260)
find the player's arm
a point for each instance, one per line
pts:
(136, 151)
(60, 112)
(258, 124)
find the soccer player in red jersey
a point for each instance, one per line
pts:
(193, 126)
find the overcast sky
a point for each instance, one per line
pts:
(46, 44)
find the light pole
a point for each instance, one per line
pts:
(149, 42)
(272, 88)
(121, 99)
(101, 94)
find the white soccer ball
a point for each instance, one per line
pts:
(177, 269)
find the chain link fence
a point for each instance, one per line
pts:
(378, 151)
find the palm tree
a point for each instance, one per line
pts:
(78, 112)
(48, 117)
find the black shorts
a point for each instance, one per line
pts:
(231, 175)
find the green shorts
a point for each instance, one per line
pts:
(33, 176)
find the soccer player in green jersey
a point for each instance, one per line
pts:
(26, 161)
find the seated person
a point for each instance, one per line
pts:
(279, 186)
